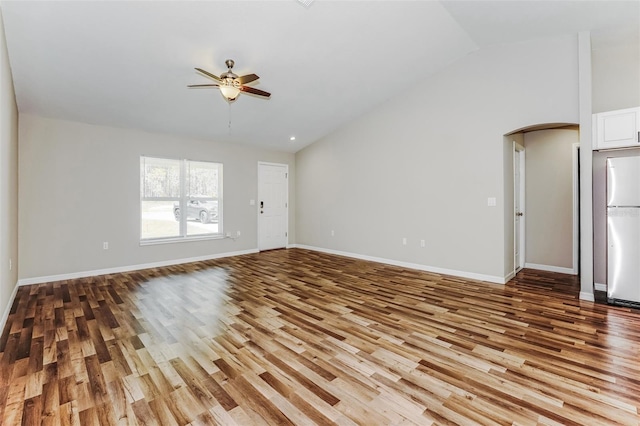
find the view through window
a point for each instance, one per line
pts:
(180, 199)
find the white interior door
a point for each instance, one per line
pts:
(518, 209)
(273, 205)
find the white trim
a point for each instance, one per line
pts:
(589, 297)
(585, 96)
(417, 266)
(185, 239)
(576, 206)
(600, 287)
(84, 274)
(550, 268)
(5, 314)
(510, 276)
(519, 150)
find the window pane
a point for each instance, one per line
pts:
(180, 198)
(159, 219)
(202, 179)
(202, 217)
(160, 177)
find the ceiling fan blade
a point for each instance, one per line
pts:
(208, 74)
(255, 91)
(247, 78)
(203, 85)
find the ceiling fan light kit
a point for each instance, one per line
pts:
(231, 84)
(229, 90)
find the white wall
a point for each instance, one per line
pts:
(616, 76)
(8, 181)
(549, 198)
(422, 165)
(79, 186)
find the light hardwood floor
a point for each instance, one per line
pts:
(299, 337)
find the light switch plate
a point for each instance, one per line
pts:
(491, 201)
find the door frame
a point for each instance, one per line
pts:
(519, 151)
(576, 207)
(286, 194)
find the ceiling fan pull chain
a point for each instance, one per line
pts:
(229, 118)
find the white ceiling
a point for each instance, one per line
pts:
(127, 64)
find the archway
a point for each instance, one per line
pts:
(549, 212)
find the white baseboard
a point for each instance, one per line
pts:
(84, 274)
(7, 309)
(420, 267)
(600, 287)
(550, 268)
(589, 297)
(509, 276)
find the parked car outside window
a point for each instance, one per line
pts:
(204, 211)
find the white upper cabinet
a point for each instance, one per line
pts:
(616, 129)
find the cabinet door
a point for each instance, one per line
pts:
(617, 129)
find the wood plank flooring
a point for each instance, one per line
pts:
(298, 337)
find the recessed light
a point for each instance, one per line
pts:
(292, 138)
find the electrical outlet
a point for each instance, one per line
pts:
(423, 243)
(333, 233)
(105, 245)
(238, 234)
(228, 235)
(404, 241)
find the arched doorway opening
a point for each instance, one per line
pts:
(541, 176)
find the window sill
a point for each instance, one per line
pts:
(153, 242)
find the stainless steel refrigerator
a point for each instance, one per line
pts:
(623, 230)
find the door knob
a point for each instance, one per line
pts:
(519, 214)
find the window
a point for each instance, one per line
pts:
(179, 199)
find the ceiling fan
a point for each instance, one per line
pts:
(231, 84)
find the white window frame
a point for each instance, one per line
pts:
(183, 199)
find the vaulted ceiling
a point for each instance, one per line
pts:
(128, 63)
